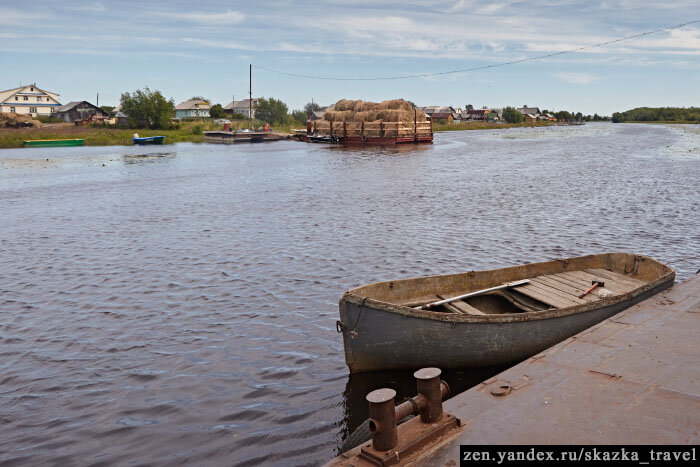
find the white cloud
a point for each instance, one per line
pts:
(216, 44)
(228, 17)
(96, 7)
(576, 78)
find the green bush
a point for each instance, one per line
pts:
(148, 109)
(510, 115)
(217, 111)
(43, 119)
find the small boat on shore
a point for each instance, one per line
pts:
(45, 143)
(147, 140)
(496, 317)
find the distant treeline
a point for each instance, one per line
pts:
(658, 114)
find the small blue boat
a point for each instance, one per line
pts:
(148, 140)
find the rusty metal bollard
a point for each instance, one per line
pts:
(428, 380)
(383, 415)
(382, 419)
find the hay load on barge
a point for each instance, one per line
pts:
(357, 122)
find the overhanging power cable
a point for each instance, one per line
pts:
(482, 67)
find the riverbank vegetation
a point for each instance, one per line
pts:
(439, 127)
(107, 135)
(659, 115)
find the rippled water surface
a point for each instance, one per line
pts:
(177, 305)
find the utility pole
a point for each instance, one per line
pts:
(98, 100)
(250, 96)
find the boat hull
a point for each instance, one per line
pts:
(53, 143)
(381, 336)
(148, 140)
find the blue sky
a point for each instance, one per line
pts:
(185, 48)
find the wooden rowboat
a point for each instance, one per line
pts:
(383, 327)
(148, 140)
(47, 143)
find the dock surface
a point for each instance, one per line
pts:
(631, 379)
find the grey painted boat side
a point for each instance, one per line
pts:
(379, 335)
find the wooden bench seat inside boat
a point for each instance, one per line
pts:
(560, 290)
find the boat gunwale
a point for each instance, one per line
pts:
(370, 303)
(51, 140)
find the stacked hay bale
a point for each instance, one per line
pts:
(395, 110)
(13, 120)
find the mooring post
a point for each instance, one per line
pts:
(382, 419)
(428, 381)
(383, 415)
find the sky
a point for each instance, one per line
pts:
(184, 48)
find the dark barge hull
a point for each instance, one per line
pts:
(380, 333)
(356, 140)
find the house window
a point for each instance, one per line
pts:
(16, 98)
(47, 99)
(12, 109)
(31, 89)
(53, 110)
(26, 98)
(38, 99)
(32, 110)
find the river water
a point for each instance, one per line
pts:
(177, 304)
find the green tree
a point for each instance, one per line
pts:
(311, 107)
(217, 111)
(109, 109)
(468, 107)
(300, 116)
(147, 109)
(563, 115)
(271, 111)
(510, 115)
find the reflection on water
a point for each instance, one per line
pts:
(177, 305)
(148, 157)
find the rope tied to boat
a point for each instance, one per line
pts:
(340, 327)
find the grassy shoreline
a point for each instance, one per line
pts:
(187, 132)
(670, 122)
(440, 127)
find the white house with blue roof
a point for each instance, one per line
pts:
(29, 100)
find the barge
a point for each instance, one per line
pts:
(234, 137)
(373, 133)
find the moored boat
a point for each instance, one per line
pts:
(500, 316)
(148, 140)
(44, 143)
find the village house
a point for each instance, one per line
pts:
(29, 100)
(478, 115)
(318, 114)
(81, 112)
(241, 107)
(436, 112)
(193, 108)
(525, 110)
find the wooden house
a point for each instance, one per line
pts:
(80, 111)
(29, 100)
